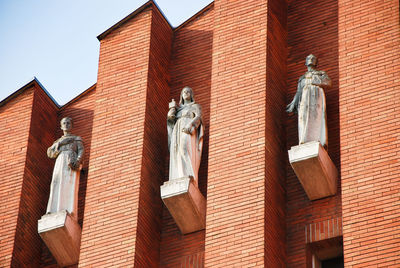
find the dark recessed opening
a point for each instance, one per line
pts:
(337, 262)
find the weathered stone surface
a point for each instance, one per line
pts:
(68, 152)
(310, 104)
(185, 203)
(185, 136)
(62, 236)
(314, 169)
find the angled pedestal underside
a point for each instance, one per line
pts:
(185, 203)
(314, 169)
(62, 236)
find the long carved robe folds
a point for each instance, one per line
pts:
(65, 182)
(311, 106)
(185, 149)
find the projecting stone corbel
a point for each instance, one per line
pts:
(185, 203)
(314, 169)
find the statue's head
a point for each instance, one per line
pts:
(187, 95)
(66, 123)
(311, 60)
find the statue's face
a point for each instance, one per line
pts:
(187, 94)
(66, 124)
(311, 60)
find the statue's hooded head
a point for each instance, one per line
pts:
(66, 123)
(184, 95)
(311, 60)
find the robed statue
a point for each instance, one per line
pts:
(185, 136)
(68, 152)
(310, 105)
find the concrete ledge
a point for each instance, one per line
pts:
(185, 203)
(62, 235)
(314, 169)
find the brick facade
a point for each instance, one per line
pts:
(15, 120)
(236, 159)
(27, 121)
(38, 170)
(369, 71)
(312, 28)
(243, 61)
(126, 166)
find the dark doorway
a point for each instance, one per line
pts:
(337, 262)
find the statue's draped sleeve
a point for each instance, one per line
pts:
(52, 151)
(170, 127)
(81, 149)
(196, 121)
(325, 81)
(197, 124)
(297, 98)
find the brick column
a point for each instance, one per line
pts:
(28, 123)
(245, 196)
(369, 71)
(15, 119)
(121, 223)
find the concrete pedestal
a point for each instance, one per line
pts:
(185, 203)
(314, 169)
(62, 235)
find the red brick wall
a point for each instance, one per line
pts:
(369, 71)
(114, 170)
(26, 121)
(190, 66)
(36, 183)
(312, 28)
(15, 119)
(117, 228)
(155, 146)
(275, 153)
(238, 177)
(81, 112)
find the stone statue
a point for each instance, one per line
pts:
(68, 151)
(309, 103)
(185, 136)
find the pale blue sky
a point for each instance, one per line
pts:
(56, 40)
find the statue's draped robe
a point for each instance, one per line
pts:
(65, 182)
(311, 108)
(185, 149)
